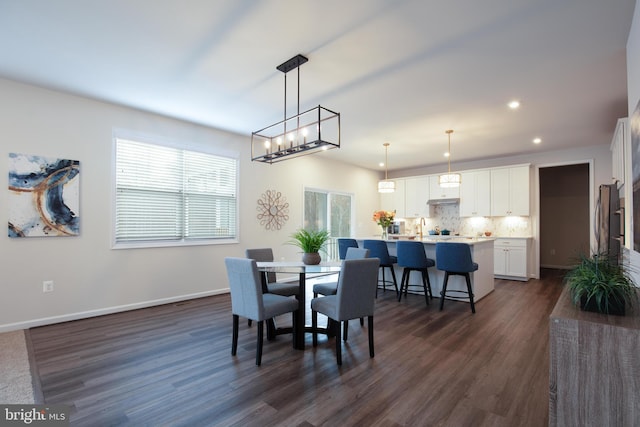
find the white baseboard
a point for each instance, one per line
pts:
(108, 310)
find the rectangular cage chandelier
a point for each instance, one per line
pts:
(316, 129)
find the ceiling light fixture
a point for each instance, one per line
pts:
(386, 186)
(514, 105)
(449, 179)
(537, 140)
(305, 133)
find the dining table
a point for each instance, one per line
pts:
(303, 271)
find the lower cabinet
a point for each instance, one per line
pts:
(510, 259)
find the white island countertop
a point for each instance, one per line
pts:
(434, 239)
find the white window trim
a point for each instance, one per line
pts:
(118, 133)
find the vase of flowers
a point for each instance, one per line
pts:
(384, 219)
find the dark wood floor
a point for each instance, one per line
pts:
(171, 365)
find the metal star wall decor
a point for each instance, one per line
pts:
(273, 210)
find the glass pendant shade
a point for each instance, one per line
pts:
(385, 186)
(449, 180)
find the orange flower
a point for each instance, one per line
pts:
(384, 218)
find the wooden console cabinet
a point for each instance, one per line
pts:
(594, 374)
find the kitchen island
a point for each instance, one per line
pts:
(481, 253)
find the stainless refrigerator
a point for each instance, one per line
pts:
(608, 224)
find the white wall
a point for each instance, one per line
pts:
(633, 91)
(91, 278)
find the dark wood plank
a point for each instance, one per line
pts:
(172, 365)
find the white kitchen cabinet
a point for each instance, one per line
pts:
(475, 193)
(437, 193)
(394, 201)
(510, 191)
(618, 151)
(416, 197)
(510, 259)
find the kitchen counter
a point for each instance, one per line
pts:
(482, 280)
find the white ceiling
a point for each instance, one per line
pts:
(397, 70)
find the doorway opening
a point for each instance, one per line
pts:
(565, 208)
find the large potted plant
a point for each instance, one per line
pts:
(601, 285)
(311, 243)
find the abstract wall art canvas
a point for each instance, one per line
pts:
(44, 196)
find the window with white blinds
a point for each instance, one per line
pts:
(166, 195)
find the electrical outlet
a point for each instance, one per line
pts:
(47, 286)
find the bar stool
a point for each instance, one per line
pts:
(344, 244)
(412, 257)
(378, 249)
(455, 260)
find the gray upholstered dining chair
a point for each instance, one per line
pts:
(248, 300)
(269, 284)
(266, 255)
(329, 288)
(354, 298)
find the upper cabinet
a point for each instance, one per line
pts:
(475, 193)
(416, 197)
(436, 192)
(510, 191)
(394, 201)
(618, 151)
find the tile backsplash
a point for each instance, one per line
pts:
(448, 217)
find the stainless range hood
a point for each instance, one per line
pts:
(443, 201)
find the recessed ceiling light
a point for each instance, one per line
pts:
(514, 105)
(446, 154)
(537, 140)
(381, 164)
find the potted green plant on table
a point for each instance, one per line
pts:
(600, 284)
(311, 243)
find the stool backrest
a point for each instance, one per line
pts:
(344, 244)
(454, 257)
(378, 249)
(411, 254)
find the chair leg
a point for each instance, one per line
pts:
(345, 326)
(295, 325)
(406, 282)
(424, 286)
(384, 281)
(370, 323)
(260, 340)
(444, 289)
(404, 276)
(362, 321)
(314, 327)
(393, 275)
(234, 335)
(429, 284)
(338, 344)
(249, 322)
(271, 329)
(473, 307)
